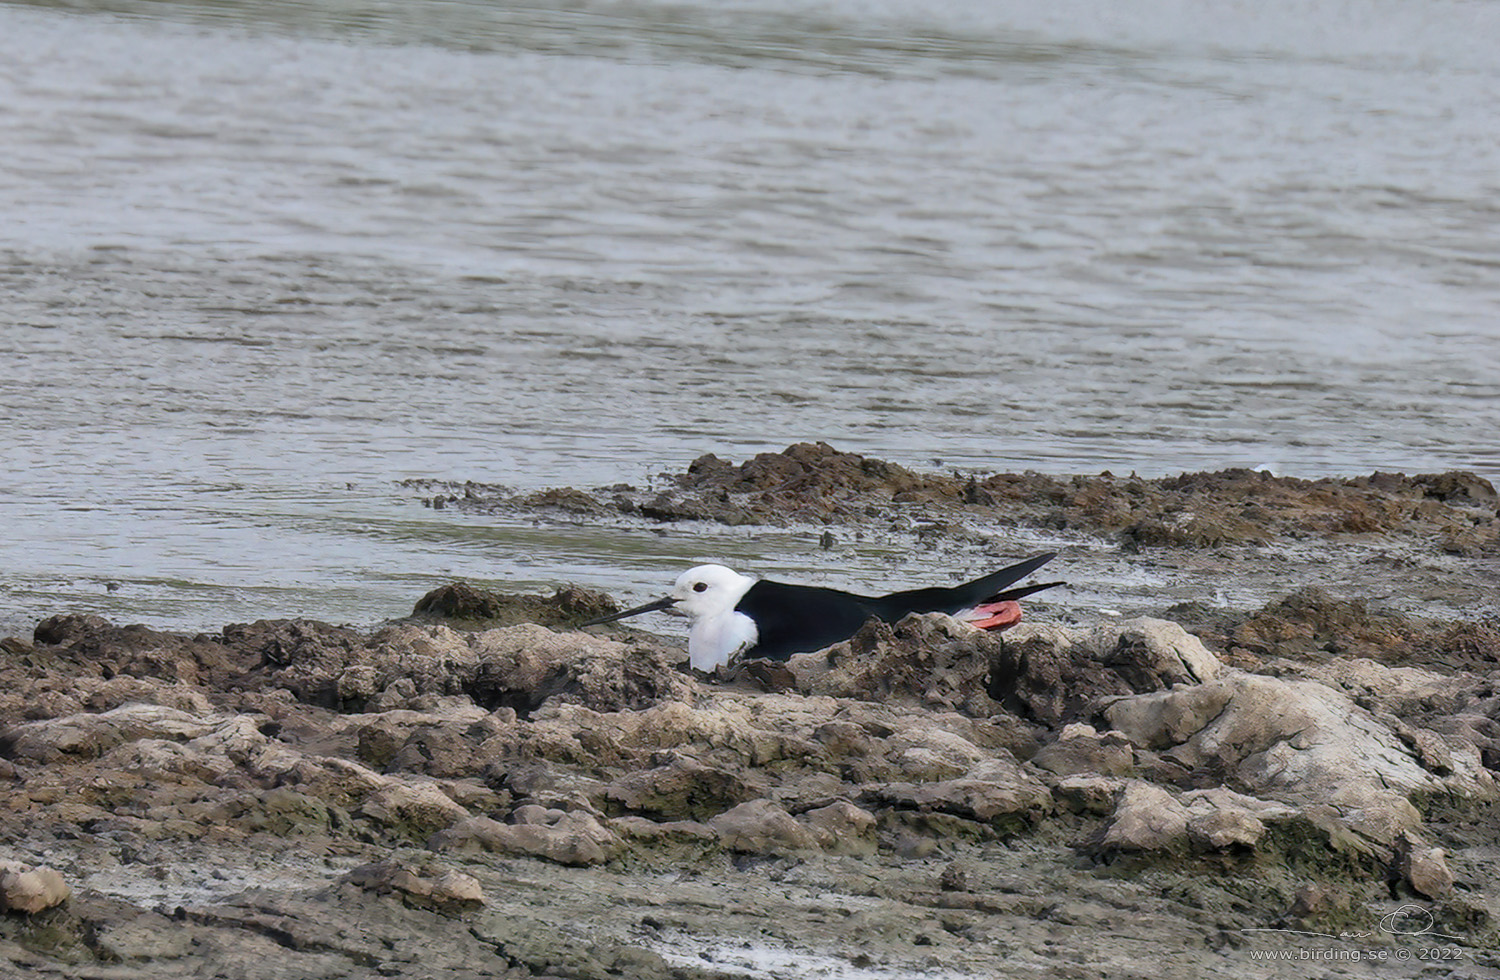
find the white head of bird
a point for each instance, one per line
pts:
(709, 590)
(708, 594)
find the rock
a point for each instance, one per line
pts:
(387, 670)
(572, 838)
(343, 784)
(1423, 867)
(1054, 673)
(1088, 794)
(145, 937)
(1191, 529)
(281, 812)
(1312, 623)
(928, 753)
(1080, 749)
(544, 784)
(1146, 818)
(996, 792)
(94, 647)
(1458, 486)
(1149, 818)
(463, 605)
(1296, 742)
(927, 659)
(682, 789)
(955, 877)
(28, 889)
(427, 884)
(98, 695)
(818, 484)
(521, 667)
(1310, 899)
(87, 736)
(334, 666)
(536, 814)
(759, 675)
(762, 827)
(1220, 819)
(413, 810)
(585, 779)
(68, 628)
(842, 828)
(443, 740)
(1406, 692)
(455, 886)
(677, 842)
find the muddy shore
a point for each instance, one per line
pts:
(1159, 780)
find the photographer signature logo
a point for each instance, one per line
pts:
(1407, 922)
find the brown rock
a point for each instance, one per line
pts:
(465, 606)
(682, 789)
(762, 827)
(1080, 749)
(1298, 743)
(86, 736)
(521, 667)
(997, 791)
(573, 838)
(816, 483)
(1054, 673)
(955, 877)
(415, 810)
(91, 646)
(1313, 623)
(1424, 868)
(1146, 818)
(842, 828)
(30, 889)
(928, 659)
(428, 884)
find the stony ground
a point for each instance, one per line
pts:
(484, 790)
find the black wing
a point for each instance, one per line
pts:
(800, 618)
(989, 588)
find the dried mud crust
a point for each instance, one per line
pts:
(1312, 625)
(289, 799)
(818, 484)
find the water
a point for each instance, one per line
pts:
(259, 261)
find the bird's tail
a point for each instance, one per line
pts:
(990, 588)
(1011, 594)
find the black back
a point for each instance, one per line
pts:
(803, 618)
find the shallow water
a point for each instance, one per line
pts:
(261, 260)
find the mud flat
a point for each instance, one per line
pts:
(1305, 786)
(1228, 543)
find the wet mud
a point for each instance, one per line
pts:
(1198, 789)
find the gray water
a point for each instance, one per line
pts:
(259, 261)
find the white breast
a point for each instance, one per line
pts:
(715, 640)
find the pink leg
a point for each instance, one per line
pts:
(996, 615)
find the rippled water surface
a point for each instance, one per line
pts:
(261, 260)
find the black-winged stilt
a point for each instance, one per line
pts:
(734, 616)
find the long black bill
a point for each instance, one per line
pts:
(648, 607)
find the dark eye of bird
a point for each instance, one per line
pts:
(699, 586)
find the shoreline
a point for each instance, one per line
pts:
(483, 790)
